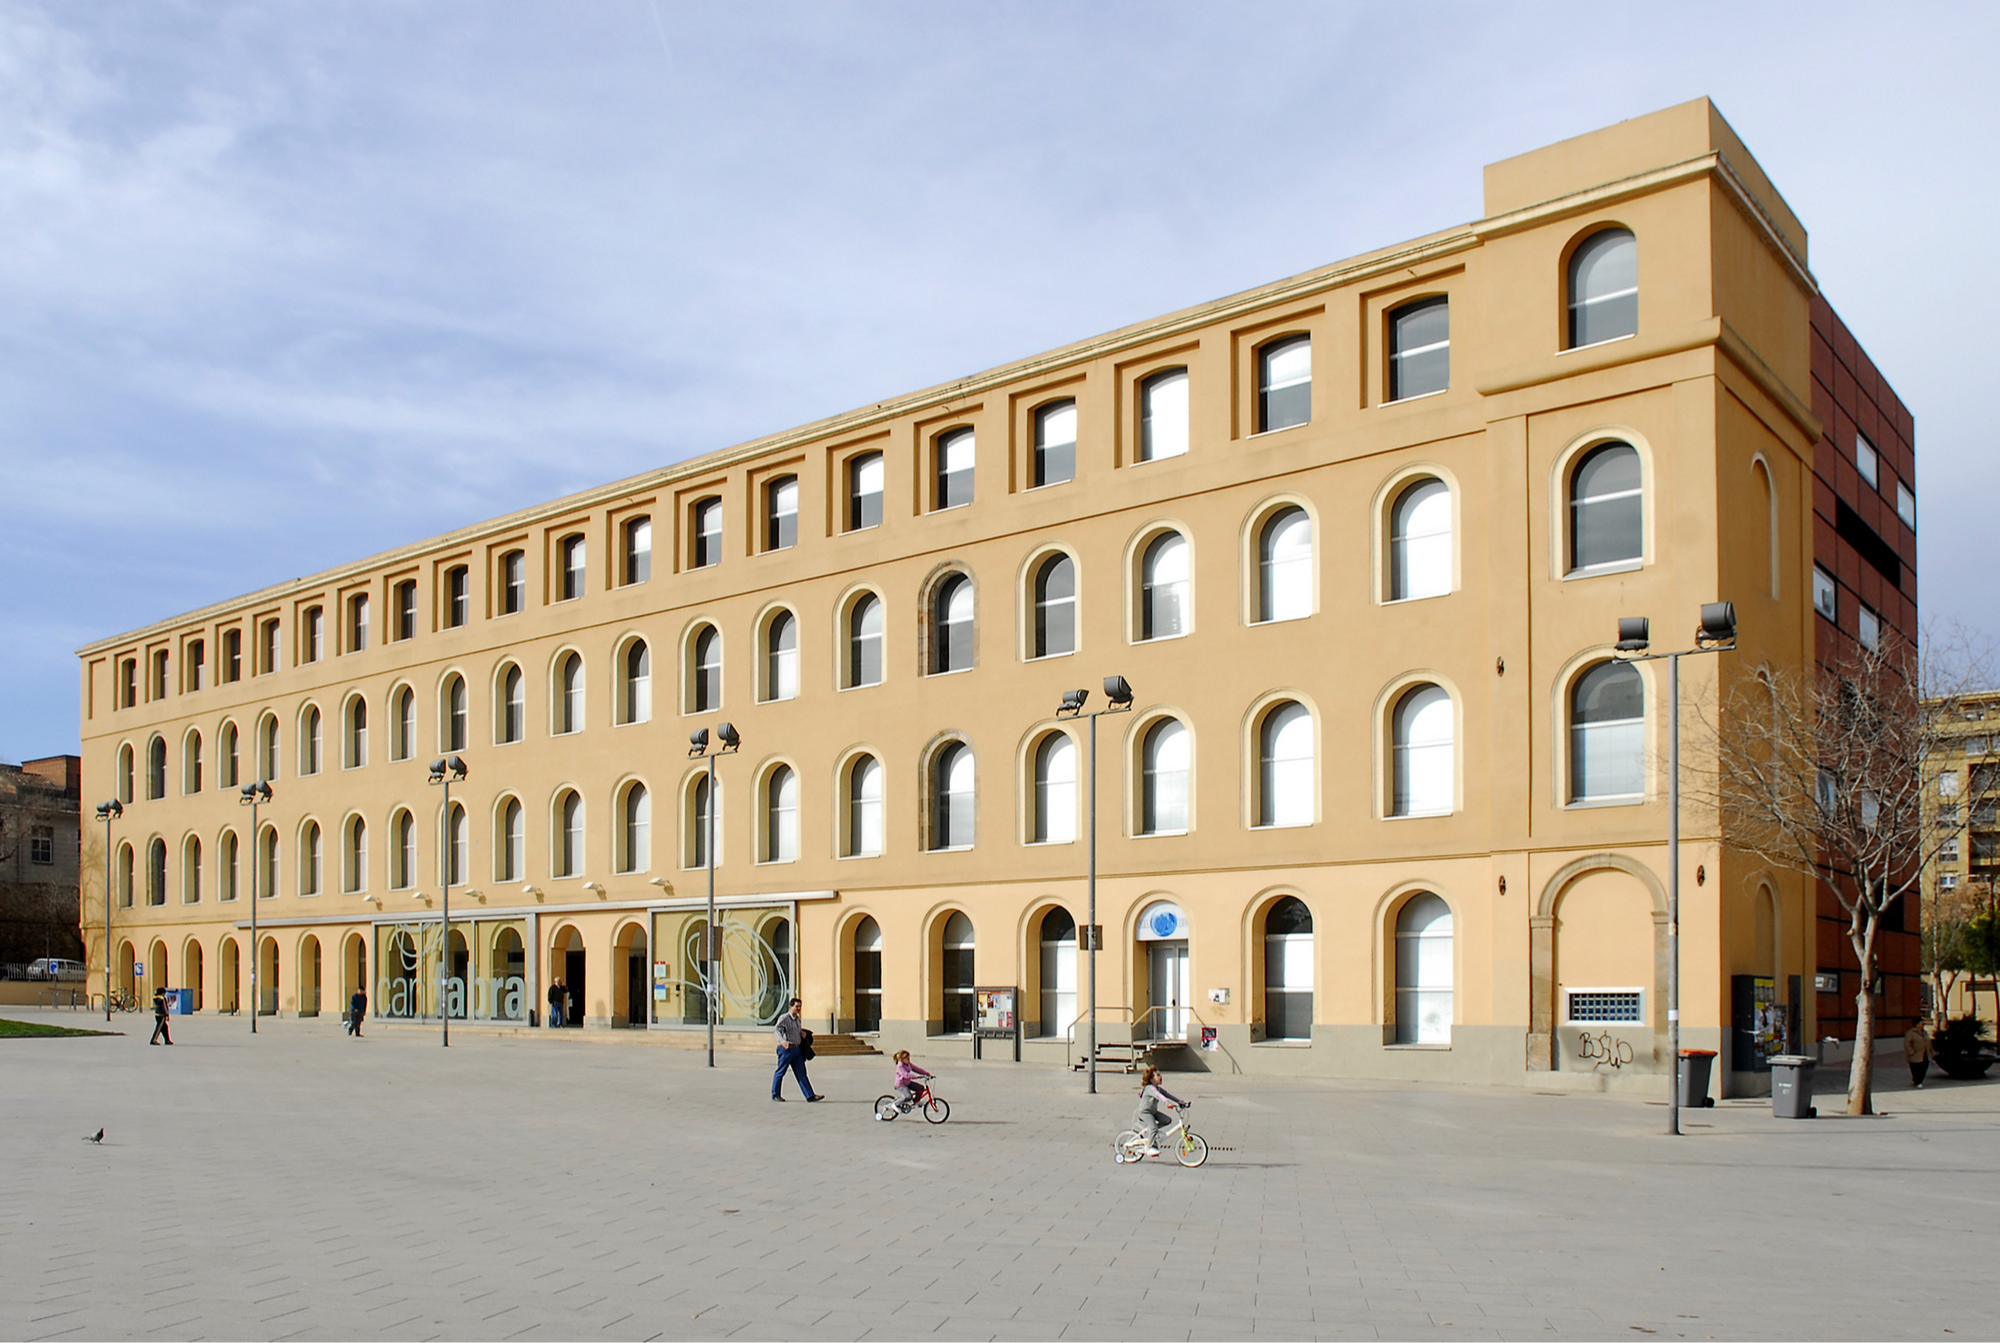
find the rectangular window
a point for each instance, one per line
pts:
(267, 653)
(42, 845)
(781, 513)
(315, 620)
(1948, 784)
(513, 583)
(1605, 1006)
(573, 554)
(1906, 505)
(707, 534)
(864, 492)
(1055, 443)
(636, 562)
(457, 596)
(357, 622)
(1163, 415)
(1948, 851)
(232, 656)
(195, 662)
(954, 469)
(1868, 627)
(1948, 881)
(1419, 349)
(1826, 597)
(1284, 384)
(128, 683)
(406, 609)
(1866, 461)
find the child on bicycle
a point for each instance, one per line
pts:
(908, 1076)
(1147, 1118)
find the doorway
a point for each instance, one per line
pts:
(1166, 989)
(637, 1004)
(574, 961)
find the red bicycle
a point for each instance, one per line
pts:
(936, 1109)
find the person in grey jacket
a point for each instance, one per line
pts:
(792, 1038)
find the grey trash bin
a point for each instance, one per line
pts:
(1694, 1070)
(1791, 1086)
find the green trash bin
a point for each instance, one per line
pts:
(1791, 1086)
(1694, 1071)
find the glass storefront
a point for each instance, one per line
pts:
(488, 959)
(748, 971)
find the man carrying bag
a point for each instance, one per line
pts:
(794, 1048)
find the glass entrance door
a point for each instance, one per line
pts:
(1166, 989)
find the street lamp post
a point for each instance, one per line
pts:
(253, 796)
(1715, 634)
(108, 812)
(730, 741)
(456, 768)
(1118, 696)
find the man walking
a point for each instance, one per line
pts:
(160, 1031)
(556, 996)
(792, 1039)
(1917, 1053)
(357, 1007)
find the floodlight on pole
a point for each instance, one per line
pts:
(253, 796)
(446, 772)
(729, 741)
(1118, 691)
(108, 812)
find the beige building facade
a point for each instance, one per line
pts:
(1384, 803)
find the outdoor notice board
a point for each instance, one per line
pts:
(996, 1016)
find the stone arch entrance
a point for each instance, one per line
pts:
(569, 962)
(1615, 910)
(630, 1003)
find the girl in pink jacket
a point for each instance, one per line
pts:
(907, 1076)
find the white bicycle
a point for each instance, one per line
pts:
(1189, 1148)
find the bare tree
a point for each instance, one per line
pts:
(1824, 774)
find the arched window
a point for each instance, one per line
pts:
(357, 622)
(226, 867)
(513, 722)
(1288, 970)
(1604, 288)
(267, 753)
(1163, 415)
(191, 871)
(125, 877)
(781, 657)
(1055, 443)
(1423, 972)
(954, 469)
(1420, 541)
(1284, 384)
(510, 843)
(355, 738)
(1285, 766)
(191, 763)
(636, 695)
(309, 859)
(457, 596)
(266, 879)
(573, 553)
(781, 513)
(406, 609)
(455, 713)
(705, 688)
(635, 830)
(781, 815)
(125, 772)
(354, 856)
(403, 724)
(1055, 790)
(226, 757)
(700, 824)
(1285, 566)
(707, 534)
(955, 974)
(951, 625)
(867, 975)
(156, 872)
(513, 583)
(952, 797)
(1607, 734)
(403, 854)
(1607, 525)
(456, 845)
(569, 834)
(637, 559)
(864, 641)
(864, 808)
(1055, 607)
(1424, 782)
(1163, 788)
(864, 491)
(309, 738)
(1163, 588)
(569, 694)
(1419, 348)
(1058, 966)
(156, 769)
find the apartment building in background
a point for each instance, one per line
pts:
(1384, 804)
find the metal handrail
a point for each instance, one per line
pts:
(1069, 1044)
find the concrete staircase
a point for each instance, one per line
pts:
(843, 1046)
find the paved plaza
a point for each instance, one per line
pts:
(302, 1185)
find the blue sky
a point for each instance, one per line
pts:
(282, 285)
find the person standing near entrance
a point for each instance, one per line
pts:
(556, 996)
(357, 1007)
(160, 1031)
(1917, 1052)
(791, 1053)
